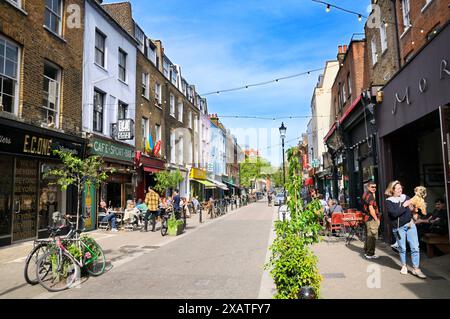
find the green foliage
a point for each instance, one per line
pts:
(77, 171)
(292, 263)
(172, 222)
(91, 244)
(252, 169)
(75, 251)
(165, 180)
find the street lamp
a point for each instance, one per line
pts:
(283, 135)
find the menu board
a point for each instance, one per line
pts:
(25, 190)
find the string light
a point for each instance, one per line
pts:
(359, 18)
(328, 8)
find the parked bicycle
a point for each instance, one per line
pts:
(40, 247)
(166, 213)
(59, 268)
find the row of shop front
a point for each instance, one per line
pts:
(28, 200)
(403, 136)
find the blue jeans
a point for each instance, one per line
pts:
(405, 233)
(110, 217)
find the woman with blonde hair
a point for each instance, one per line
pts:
(399, 208)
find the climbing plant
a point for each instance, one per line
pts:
(292, 264)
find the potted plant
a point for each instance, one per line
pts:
(175, 226)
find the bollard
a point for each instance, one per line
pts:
(200, 215)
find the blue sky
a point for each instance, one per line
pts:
(227, 44)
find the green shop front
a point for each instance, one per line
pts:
(120, 185)
(28, 200)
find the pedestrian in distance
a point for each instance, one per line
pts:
(372, 220)
(176, 203)
(152, 201)
(400, 209)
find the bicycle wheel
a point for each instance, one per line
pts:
(57, 273)
(96, 264)
(31, 263)
(164, 227)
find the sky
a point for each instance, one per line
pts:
(223, 44)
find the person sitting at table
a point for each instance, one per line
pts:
(108, 216)
(333, 207)
(142, 208)
(131, 213)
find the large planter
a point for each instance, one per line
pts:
(175, 230)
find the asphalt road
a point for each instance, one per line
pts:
(222, 259)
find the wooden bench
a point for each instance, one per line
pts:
(441, 242)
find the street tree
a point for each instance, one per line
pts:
(78, 172)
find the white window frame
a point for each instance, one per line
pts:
(172, 105)
(190, 119)
(144, 131)
(373, 48)
(139, 35)
(145, 85)
(157, 132)
(94, 112)
(15, 78)
(383, 37)
(172, 147)
(426, 5)
(100, 33)
(166, 68)
(53, 13)
(406, 14)
(120, 105)
(180, 111)
(120, 66)
(158, 96)
(344, 93)
(57, 91)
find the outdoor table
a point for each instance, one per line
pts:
(353, 223)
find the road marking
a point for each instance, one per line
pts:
(18, 260)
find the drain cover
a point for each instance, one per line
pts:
(334, 275)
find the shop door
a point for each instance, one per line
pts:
(445, 131)
(25, 200)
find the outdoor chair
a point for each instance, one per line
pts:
(337, 223)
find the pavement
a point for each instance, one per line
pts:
(224, 258)
(220, 258)
(347, 274)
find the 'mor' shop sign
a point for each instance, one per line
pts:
(112, 150)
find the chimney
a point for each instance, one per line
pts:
(341, 53)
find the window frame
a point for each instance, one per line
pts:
(102, 117)
(57, 101)
(406, 14)
(54, 13)
(144, 130)
(122, 106)
(145, 85)
(158, 96)
(180, 111)
(172, 104)
(124, 54)
(15, 78)
(96, 49)
(373, 49)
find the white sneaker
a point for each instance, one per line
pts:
(395, 246)
(114, 230)
(404, 270)
(417, 272)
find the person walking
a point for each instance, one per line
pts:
(152, 200)
(399, 209)
(372, 220)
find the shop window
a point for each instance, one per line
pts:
(50, 198)
(25, 204)
(6, 196)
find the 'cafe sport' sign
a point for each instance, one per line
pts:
(112, 150)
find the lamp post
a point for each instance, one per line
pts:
(283, 135)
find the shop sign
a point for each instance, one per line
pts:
(123, 129)
(18, 141)
(197, 173)
(112, 150)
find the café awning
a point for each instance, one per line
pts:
(206, 183)
(219, 185)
